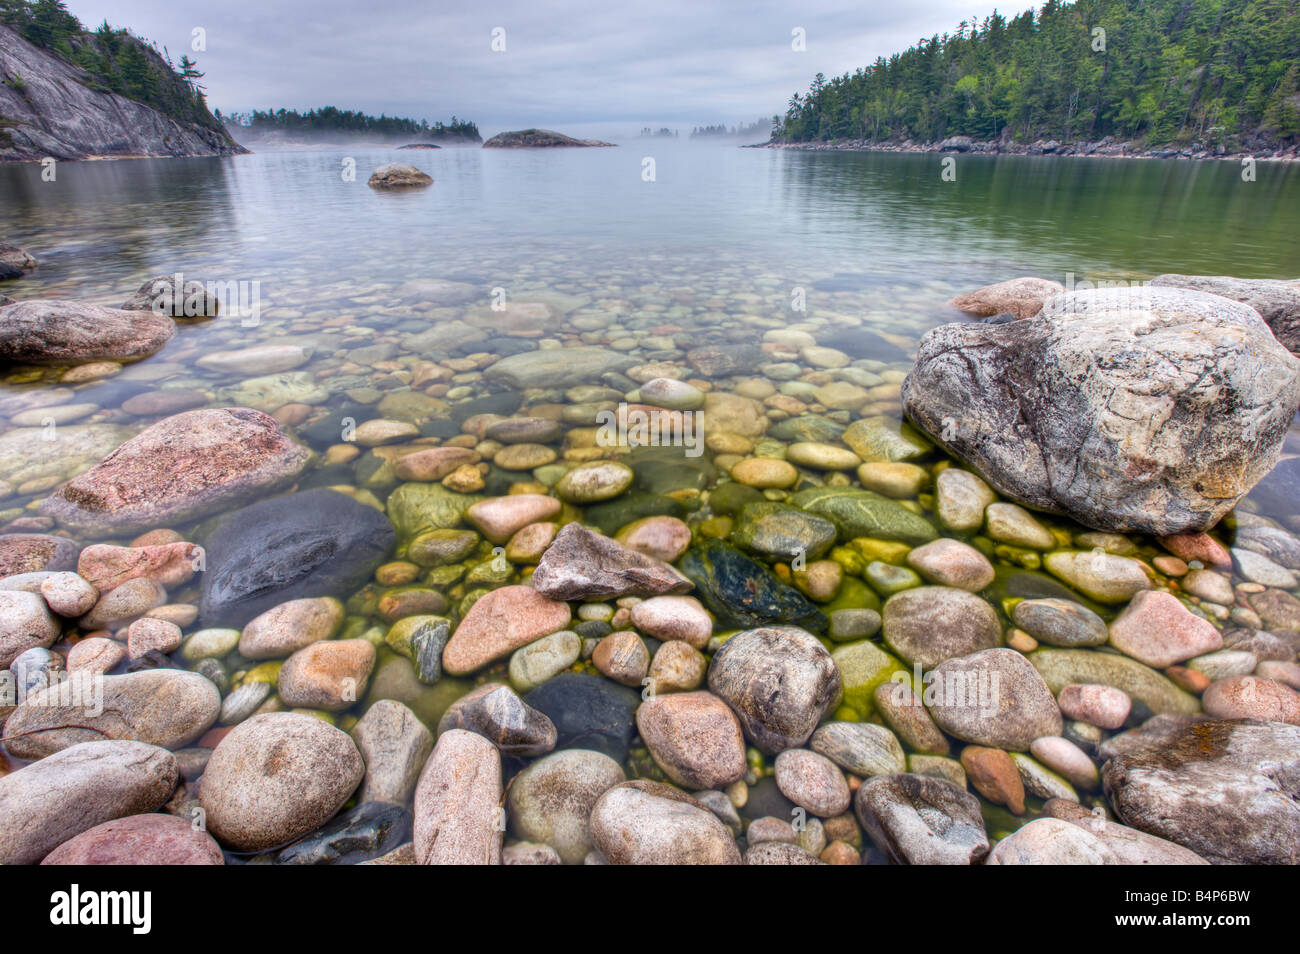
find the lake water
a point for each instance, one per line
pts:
(651, 248)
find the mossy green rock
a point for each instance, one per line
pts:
(886, 439)
(864, 666)
(729, 498)
(888, 579)
(440, 547)
(853, 594)
(780, 531)
(1061, 667)
(614, 515)
(864, 513)
(416, 508)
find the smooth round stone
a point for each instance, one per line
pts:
(1287, 673)
(59, 414)
(1259, 569)
(674, 618)
(550, 801)
(1066, 759)
(1209, 585)
(150, 635)
(124, 603)
(851, 624)
(819, 456)
(139, 840)
(1103, 706)
(993, 775)
(456, 818)
(623, 657)
(25, 623)
(1060, 622)
(242, 702)
(995, 698)
(860, 748)
(68, 594)
(377, 432)
(1158, 630)
(841, 396)
(1225, 664)
(1050, 841)
(906, 714)
(289, 627)
(937, 766)
(96, 654)
(500, 518)
(671, 394)
(442, 547)
(893, 479)
(1040, 781)
(594, 481)
(524, 430)
(1102, 576)
(528, 853)
(813, 782)
(276, 777)
(1250, 697)
(777, 853)
(751, 662)
(330, 674)
(768, 829)
(495, 712)
(433, 463)
(529, 543)
(646, 823)
(961, 499)
(1013, 524)
(523, 456)
(929, 624)
(544, 658)
(694, 738)
(822, 357)
(677, 667)
(887, 579)
(948, 562)
(662, 537)
(765, 472)
(820, 580)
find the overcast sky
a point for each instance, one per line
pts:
(583, 66)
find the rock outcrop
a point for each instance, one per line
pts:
(1277, 301)
(55, 110)
(537, 139)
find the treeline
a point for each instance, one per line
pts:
(759, 129)
(117, 61)
(1222, 72)
(331, 119)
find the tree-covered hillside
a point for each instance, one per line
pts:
(330, 119)
(116, 60)
(1221, 72)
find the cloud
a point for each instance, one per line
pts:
(584, 65)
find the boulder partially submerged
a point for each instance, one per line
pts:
(1129, 410)
(398, 175)
(62, 331)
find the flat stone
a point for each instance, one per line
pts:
(1060, 622)
(1150, 691)
(498, 624)
(1157, 629)
(61, 331)
(499, 518)
(860, 748)
(929, 624)
(283, 630)
(394, 744)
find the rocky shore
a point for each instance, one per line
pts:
(549, 585)
(1105, 148)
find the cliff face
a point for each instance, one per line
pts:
(48, 108)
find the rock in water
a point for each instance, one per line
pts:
(276, 777)
(537, 139)
(648, 823)
(744, 593)
(779, 681)
(153, 839)
(399, 175)
(1128, 412)
(59, 797)
(184, 467)
(556, 368)
(314, 543)
(1227, 790)
(495, 712)
(1277, 301)
(1022, 297)
(580, 564)
(161, 296)
(589, 712)
(456, 803)
(60, 331)
(917, 820)
(499, 623)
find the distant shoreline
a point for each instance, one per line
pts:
(1103, 149)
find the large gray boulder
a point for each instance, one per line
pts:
(1277, 301)
(60, 331)
(1129, 410)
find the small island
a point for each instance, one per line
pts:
(537, 139)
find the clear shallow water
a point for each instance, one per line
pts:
(714, 247)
